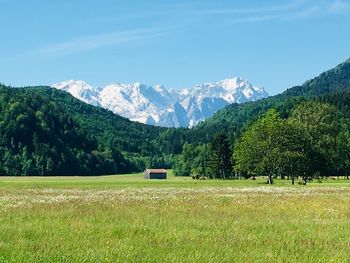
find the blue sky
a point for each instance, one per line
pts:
(274, 44)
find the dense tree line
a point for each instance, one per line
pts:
(39, 137)
(48, 132)
(317, 147)
(313, 142)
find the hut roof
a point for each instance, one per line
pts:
(156, 171)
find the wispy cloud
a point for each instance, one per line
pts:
(242, 11)
(256, 18)
(87, 43)
(339, 6)
(298, 9)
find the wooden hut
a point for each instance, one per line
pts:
(155, 174)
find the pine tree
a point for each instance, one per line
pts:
(220, 165)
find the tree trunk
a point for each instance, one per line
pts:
(270, 179)
(292, 179)
(305, 180)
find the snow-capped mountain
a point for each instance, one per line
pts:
(81, 90)
(158, 106)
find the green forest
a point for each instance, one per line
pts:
(303, 132)
(313, 142)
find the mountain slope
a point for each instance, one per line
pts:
(39, 137)
(235, 117)
(333, 80)
(104, 125)
(158, 106)
(44, 131)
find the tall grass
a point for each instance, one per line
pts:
(44, 221)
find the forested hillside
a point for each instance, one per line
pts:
(304, 130)
(234, 118)
(319, 121)
(45, 131)
(48, 132)
(333, 80)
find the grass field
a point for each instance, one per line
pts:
(128, 219)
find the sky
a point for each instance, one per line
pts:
(273, 44)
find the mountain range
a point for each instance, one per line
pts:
(47, 131)
(159, 106)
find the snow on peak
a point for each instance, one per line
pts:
(81, 90)
(157, 105)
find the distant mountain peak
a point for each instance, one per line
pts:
(234, 82)
(157, 105)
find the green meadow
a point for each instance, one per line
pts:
(125, 218)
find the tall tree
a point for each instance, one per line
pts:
(322, 127)
(271, 146)
(192, 158)
(220, 165)
(343, 153)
